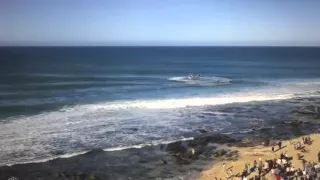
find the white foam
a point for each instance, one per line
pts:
(153, 143)
(186, 102)
(49, 159)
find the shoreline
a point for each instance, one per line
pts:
(148, 162)
(198, 158)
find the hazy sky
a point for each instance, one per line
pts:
(159, 22)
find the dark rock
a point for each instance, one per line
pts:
(81, 175)
(56, 174)
(202, 130)
(215, 138)
(187, 151)
(132, 129)
(176, 147)
(92, 177)
(162, 147)
(266, 142)
(164, 161)
(142, 161)
(190, 152)
(220, 153)
(296, 123)
(204, 151)
(232, 153)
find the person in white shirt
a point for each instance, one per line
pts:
(304, 172)
(272, 171)
(266, 165)
(287, 169)
(279, 161)
(284, 161)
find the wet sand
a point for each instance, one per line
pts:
(249, 154)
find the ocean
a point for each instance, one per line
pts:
(64, 101)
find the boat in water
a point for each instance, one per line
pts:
(202, 80)
(192, 77)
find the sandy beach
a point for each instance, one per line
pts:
(249, 154)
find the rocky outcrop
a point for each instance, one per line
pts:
(187, 151)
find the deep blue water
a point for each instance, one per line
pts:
(71, 99)
(34, 79)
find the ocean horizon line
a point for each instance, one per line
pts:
(162, 46)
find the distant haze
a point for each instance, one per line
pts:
(160, 22)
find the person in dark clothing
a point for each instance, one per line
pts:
(272, 149)
(319, 156)
(244, 173)
(270, 164)
(279, 144)
(299, 172)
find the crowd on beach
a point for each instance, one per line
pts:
(280, 168)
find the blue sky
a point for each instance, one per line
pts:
(160, 22)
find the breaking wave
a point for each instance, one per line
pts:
(138, 146)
